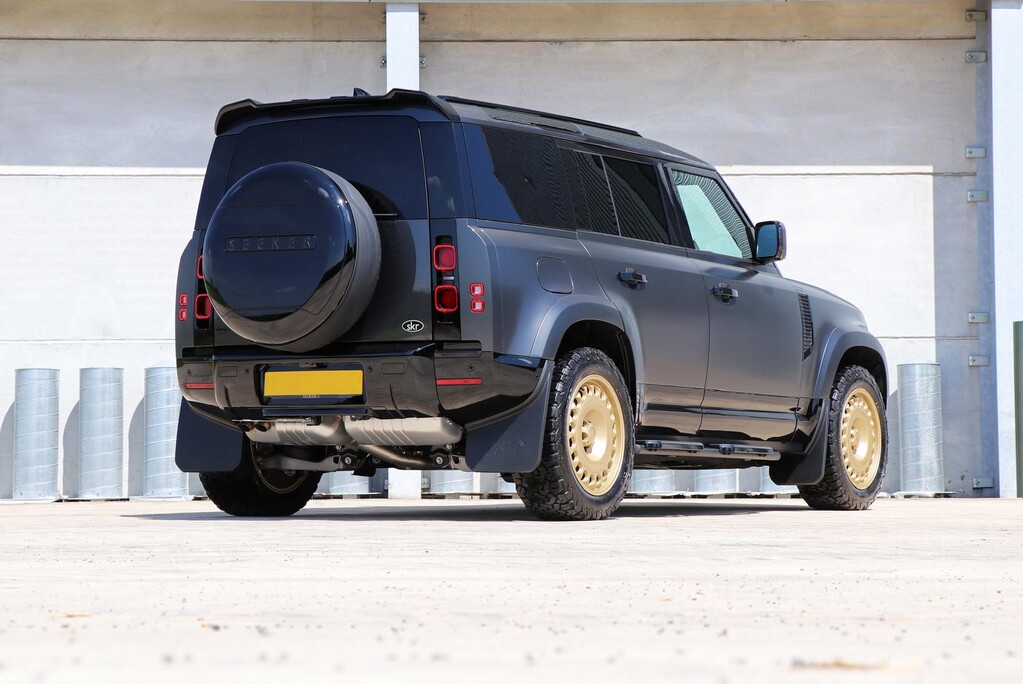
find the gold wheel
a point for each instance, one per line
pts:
(595, 438)
(860, 438)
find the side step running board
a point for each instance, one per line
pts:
(739, 452)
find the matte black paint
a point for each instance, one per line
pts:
(204, 445)
(721, 348)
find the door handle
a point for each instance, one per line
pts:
(724, 293)
(632, 279)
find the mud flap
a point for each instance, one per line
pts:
(805, 469)
(513, 442)
(206, 446)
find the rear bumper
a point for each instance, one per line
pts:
(456, 381)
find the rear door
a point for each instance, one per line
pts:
(756, 335)
(643, 268)
(382, 156)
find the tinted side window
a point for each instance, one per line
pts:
(380, 155)
(713, 222)
(518, 177)
(591, 195)
(637, 199)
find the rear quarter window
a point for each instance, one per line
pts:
(382, 156)
(518, 177)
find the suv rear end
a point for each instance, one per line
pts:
(323, 296)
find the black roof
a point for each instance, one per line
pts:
(461, 110)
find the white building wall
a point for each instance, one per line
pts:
(106, 125)
(846, 120)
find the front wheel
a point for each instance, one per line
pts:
(586, 464)
(252, 491)
(857, 455)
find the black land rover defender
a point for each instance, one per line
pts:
(407, 281)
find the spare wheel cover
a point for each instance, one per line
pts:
(291, 256)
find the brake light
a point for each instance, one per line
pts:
(445, 298)
(203, 307)
(444, 257)
(198, 269)
(199, 385)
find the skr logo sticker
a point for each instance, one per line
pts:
(412, 326)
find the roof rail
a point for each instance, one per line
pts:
(520, 110)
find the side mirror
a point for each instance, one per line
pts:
(770, 238)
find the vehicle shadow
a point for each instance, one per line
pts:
(485, 512)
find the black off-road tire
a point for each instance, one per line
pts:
(249, 491)
(552, 491)
(836, 491)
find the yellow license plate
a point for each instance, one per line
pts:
(312, 383)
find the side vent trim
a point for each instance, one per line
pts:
(807, 317)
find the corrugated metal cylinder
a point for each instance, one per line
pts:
(716, 481)
(451, 482)
(101, 433)
(652, 482)
(493, 483)
(920, 427)
(36, 432)
(161, 476)
(767, 486)
(343, 482)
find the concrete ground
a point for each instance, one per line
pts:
(442, 591)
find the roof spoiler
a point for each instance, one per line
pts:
(243, 110)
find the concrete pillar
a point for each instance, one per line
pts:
(403, 72)
(1007, 157)
(403, 46)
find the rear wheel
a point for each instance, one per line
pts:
(586, 464)
(252, 491)
(857, 455)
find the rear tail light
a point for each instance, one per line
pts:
(199, 385)
(198, 269)
(203, 307)
(444, 257)
(445, 298)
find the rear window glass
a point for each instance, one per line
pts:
(380, 155)
(591, 195)
(518, 177)
(638, 201)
